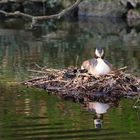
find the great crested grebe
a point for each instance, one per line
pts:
(97, 66)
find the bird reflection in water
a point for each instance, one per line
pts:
(99, 109)
(27, 109)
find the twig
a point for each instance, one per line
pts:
(52, 70)
(38, 66)
(33, 79)
(125, 67)
(77, 58)
(51, 81)
(70, 82)
(37, 71)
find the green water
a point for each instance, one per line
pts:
(33, 114)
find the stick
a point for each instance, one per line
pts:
(37, 71)
(77, 58)
(125, 67)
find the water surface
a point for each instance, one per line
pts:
(33, 114)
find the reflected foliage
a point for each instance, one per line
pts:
(58, 44)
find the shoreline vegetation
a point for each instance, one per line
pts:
(38, 10)
(78, 85)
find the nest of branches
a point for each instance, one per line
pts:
(73, 83)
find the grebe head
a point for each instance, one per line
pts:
(99, 53)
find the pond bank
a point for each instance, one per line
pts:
(128, 9)
(115, 8)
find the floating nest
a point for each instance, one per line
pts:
(78, 85)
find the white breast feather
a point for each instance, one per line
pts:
(102, 68)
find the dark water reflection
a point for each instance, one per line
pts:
(32, 114)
